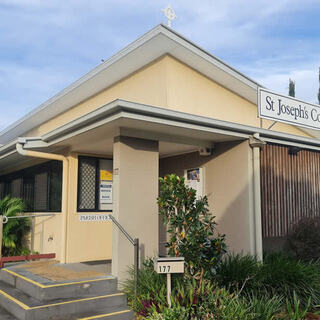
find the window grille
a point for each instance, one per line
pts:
(16, 190)
(7, 188)
(87, 183)
(28, 193)
(2, 190)
(89, 187)
(39, 186)
(55, 189)
(41, 191)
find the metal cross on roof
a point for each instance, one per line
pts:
(170, 14)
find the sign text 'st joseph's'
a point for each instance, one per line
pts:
(289, 110)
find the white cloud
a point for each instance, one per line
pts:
(306, 81)
(45, 44)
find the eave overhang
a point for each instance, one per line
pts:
(120, 109)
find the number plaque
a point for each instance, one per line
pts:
(169, 265)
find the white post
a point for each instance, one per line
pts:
(169, 289)
(256, 144)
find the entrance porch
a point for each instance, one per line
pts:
(137, 144)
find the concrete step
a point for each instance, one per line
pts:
(44, 289)
(119, 314)
(24, 307)
(4, 315)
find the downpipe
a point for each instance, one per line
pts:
(256, 144)
(65, 183)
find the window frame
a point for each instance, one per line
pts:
(28, 175)
(97, 183)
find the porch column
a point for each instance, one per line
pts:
(256, 144)
(135, 188)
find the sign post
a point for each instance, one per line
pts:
(168, 266)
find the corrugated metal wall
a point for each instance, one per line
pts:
(290, 188)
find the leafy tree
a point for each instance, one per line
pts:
(292, 88)
(191, 227)
(15, 230)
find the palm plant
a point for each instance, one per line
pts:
(15, 230)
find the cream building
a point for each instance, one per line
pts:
(161, 105)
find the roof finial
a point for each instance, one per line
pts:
(170, 14)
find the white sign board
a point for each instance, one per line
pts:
(289, 110)
(169, 265)
(94, 217)
(194, 179)
(105, 192)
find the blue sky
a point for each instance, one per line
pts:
(47, 44)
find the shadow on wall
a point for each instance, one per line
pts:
(227, 173)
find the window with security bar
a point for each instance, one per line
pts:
(94, 184)
(40, 187)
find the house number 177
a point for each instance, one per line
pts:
(164, 269)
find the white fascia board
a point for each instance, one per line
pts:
(154, 44)
(129, 110)
(132, 110)
(7, 149)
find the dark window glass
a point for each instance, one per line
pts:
(41, 191)
(7, 188)
(55, 187)
(40, 186)
(16, 188)
(28, 192)
(2, 191)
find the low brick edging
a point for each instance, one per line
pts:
(26, 258)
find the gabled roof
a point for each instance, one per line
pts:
(152, 45)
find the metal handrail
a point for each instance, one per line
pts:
(135, 243)
(29, 216)
(121, 229)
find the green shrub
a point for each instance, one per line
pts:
(304, 239)
(296, 311)
(285, 275)
(224, 306)
(152, 290)
(175, 313)
(266, 307)
(238, 271)
(192, 299)
(15, 231)
(278, 275)
(191, 227)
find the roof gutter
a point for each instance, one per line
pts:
(133, 110)
(136, 111)
(65, 177)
